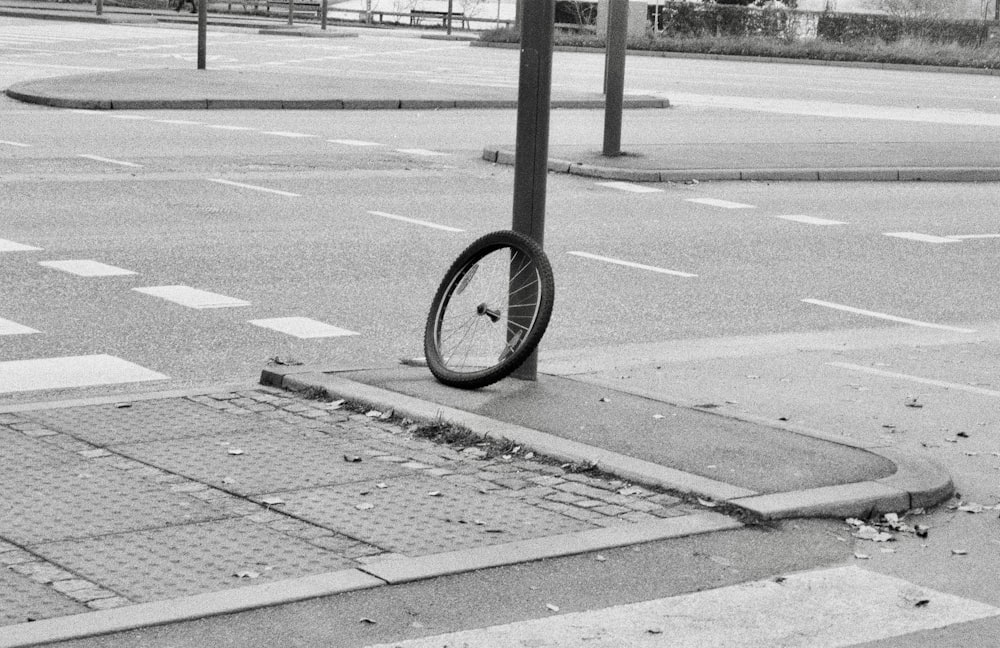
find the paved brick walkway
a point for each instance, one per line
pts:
(112, 504)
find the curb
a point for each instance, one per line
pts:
(845, 174)
(916, 482)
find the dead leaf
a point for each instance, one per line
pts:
(603, 399)
(435, 493)
(235, 451)
(385, 416)
(364, 506)
(352, 458)
(959, 552)
(554, 608)
(367, 621)
(912, 402)
(247, 574)
(272, 500)
(373, 413)
(861, 556)
(708, 503)
(600, 558)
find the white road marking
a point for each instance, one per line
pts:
(86, 268)
(415, 221)
(71, 371)
(830, 608)
(420, 151)
(923, 238)
(231, 128)
(8, 327)
(302, 327)
(811, 220)
(130, 117)
(192, 297)
(351, 142)
(9, 143)
(917, 379)
(715, 202)
(286, 134)
(254, 187)
(632, 264)
(98, 158)
(629, 186)
(965, 237)
(11, 246)
(891, 318)
(182, 122)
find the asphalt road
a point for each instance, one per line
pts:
(305, 233)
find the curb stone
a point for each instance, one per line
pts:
(916, 483)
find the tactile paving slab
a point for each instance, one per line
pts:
(421, 515)
(177, 561)
(83, 499)
(261, 462)
(20, 451)
(137, 421)
(23, 600)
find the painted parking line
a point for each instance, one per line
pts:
(12, 246)
(715, 202)
(885, 316)
(810, 220)
(833, 608)
(98, 158)
(8, 327)
(86, 268)
(243, 185)
(19, 144)
(632, 264)
(192, 297)
(922, 238)
(302, 327)
(629, 186)
(353, 142)
(231, 128)
(415, 221)
(917, 379)
(970, 237)
(71, 371)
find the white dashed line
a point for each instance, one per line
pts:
(98, 158)
(192, 297)
(231, 128)
(415, 221)
(11, 246)
(86, 268)
(302, 327)
(811, 220)
(71, 371)
(917, 379)
(19, 144)
(254, 187)
(351, 142)
(8, 327)
(884, 316)
(715, 202)
(629, 186)
(130, 117)
(631, 264)
(420, 151)
(181, 122)
(967, 237)
(922, 238)
(286, 134)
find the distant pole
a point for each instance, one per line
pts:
(291, 6)
(531, 153)
(202, 31)
(322, 16)
(100, 7)
(450, 6)
(614, 76)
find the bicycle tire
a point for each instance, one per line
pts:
(510, 344)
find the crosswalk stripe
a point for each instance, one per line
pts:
(8, 327)
(629, 186)
(922, 238)
(810, 220)
(192, 297)
(715, 202)
(71, 371)
(86, 268)
(830, 608)
(12, 246)
(302, 327)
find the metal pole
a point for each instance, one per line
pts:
(531, 154)
(291, 5)
(450, 5)
(202, 31)
(322, 17)
(615, 76)
(100, 7)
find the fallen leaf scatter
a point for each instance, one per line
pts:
(882, 529)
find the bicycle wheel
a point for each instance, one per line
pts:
(490, 311)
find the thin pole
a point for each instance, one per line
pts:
(202, 32)
(322, 17)
(291, 6)
(531, 154)
(615, 76)
(100, 7)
